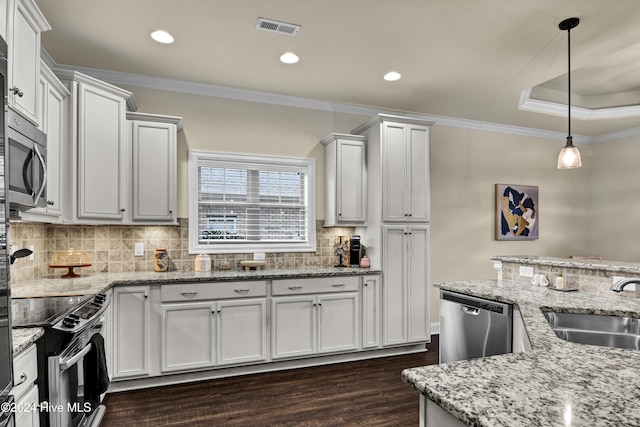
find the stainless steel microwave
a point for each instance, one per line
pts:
(27, 164)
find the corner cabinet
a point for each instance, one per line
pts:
(345, 180)
(122, 165)
(25, 23)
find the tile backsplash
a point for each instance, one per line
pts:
(110, 248)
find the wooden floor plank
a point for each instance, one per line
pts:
(363, 393)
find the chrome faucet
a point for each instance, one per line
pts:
(620, 284)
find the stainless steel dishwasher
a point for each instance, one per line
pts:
(473, 327)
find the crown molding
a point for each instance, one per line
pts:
(201, 89)
(527, 103)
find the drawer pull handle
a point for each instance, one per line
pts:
(338, 285)
(295, 288)
(242, 291)
(188, 294)
(23, 379)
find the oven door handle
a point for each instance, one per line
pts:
(67, 363)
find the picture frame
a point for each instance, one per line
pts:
(516, 212)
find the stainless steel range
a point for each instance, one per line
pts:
(71, 364)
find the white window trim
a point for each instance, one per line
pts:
(229, 247)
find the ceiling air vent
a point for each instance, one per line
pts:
(277, 27)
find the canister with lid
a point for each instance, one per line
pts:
(203, 263)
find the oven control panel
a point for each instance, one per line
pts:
(84, 314)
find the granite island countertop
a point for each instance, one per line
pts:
(556, 384)
(90, 284)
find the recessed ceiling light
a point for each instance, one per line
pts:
(289, 58)
(392, 76)
(162, 36)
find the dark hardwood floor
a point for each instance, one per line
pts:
(363, 393)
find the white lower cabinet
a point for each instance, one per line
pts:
(371, 311)
(131, 332)
(204, 334)
(305, 325)
(159, 330)
(25, 391)
(405, 293)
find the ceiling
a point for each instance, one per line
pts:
(466, 59)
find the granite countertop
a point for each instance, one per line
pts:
(24, 337)
(587, 264)
(556, 384)
(53, 285)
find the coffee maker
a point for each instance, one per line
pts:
(355, 251)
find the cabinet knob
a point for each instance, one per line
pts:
(16, 91)
(122, 210)
(51, 202)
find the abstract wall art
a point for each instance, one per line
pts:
(516, 212)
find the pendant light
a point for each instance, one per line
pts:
(569, 156)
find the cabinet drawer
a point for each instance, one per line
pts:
(207, 291)
(315, 285)
(25, 371)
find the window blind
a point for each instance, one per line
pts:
(244, 202)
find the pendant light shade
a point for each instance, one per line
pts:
(569, 156)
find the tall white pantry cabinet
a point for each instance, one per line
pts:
(397, 228)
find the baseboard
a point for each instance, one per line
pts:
(435, 328)
(181, 378)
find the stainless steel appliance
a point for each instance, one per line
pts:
(6, 349)
(72, 373)
(27, 163)
(473, 327)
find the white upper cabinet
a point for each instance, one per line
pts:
(24, 24)
(398, 169)
(122, 164)
(405, 172)
(153, 148)
(345, 180)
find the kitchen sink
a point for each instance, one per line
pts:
(596, 329)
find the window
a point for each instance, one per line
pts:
(246, 203)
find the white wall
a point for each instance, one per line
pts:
(465, 166)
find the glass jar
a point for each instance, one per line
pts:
(161, 260)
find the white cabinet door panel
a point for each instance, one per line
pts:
(419, 328)
(338, 322)
(393, 172)
(242, 331)
(394, 292)
(371, 311)
(187, 336)
(154, 171)
(418, 180)
(100, 153)
(293, 326)
(132, 317)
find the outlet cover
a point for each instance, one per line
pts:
(138, 249)
(526, 271)
(259, 256)
(31, 256)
